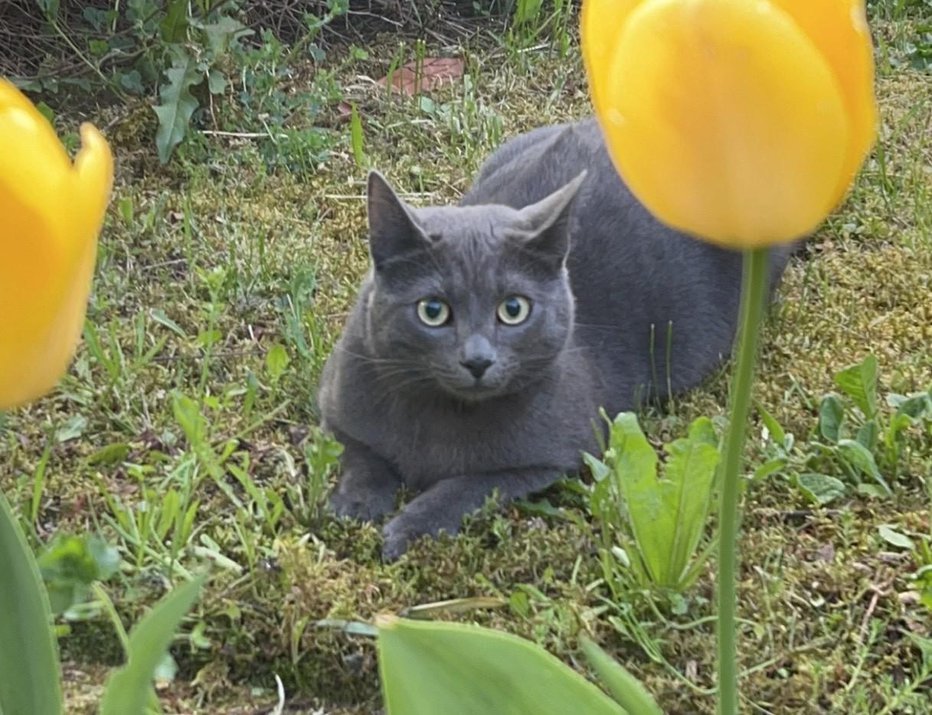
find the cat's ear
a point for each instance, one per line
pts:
(393, 230)
(547, 222)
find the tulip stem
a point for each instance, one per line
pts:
(753, 295)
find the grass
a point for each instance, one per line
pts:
(186, 430)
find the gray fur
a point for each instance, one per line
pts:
(396, 391)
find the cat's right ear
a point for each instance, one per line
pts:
(393, 230)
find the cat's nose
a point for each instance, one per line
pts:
(478, 355)
(477, 365)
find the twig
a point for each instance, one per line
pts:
(243, 135)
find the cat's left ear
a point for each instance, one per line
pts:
(546, 222)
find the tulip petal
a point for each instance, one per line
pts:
(725, 120)
(601, 24)
(93, 167)
(48, 242)
(30, 294)
(838, 28)
(32, 159)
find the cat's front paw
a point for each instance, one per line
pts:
(397, 536)
(409, 525)
(353, 501)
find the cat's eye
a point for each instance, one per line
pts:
(433, 312)
(514, 310)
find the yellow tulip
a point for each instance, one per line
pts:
(51, 212)
(739, 121)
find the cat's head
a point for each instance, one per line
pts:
(471, 301)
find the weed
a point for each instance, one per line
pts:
(856, 442)
(651, 527)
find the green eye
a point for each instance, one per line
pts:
(433, 312)
(514, 310)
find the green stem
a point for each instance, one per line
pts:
(753, 294)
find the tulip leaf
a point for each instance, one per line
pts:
(130, 688)
(455, 669)
(627, 690)
(30, 680)
(178, 104)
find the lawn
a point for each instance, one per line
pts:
(186, 431)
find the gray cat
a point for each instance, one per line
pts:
(486, 336)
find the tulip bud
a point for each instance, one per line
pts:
(740, 121)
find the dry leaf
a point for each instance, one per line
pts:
(431, 72)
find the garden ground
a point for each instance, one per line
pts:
(186, 432)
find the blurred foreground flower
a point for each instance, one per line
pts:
(740, 121)
(52, 212)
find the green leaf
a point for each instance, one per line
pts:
(70, 564)
(178, 104)
(276, 362)
(924, 645)
(868, 435)
(429, 668)
(72, 429)
(174, 25)
(831, 415)
(777, 434)
(216, 81)
(222, 33)
(820, 488)
(30, 679)
(916, 406)
(894, 537)
(49, 8)
(128, 689)
(687, 489)
(872, 491)
(47, 112)
(627, 690)
(769, 468)
(356, 137)
(110, 454)
(189, 418)
(859, 457)
(159, 316)
(859, 382)
(668, 515)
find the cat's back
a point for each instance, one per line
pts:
(656, 308)
(533, 165)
